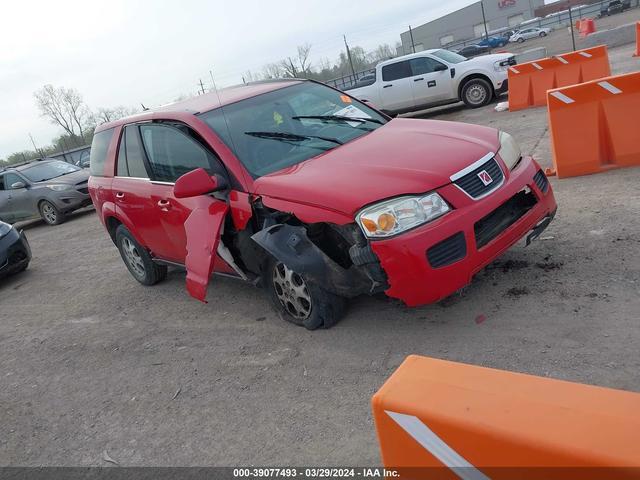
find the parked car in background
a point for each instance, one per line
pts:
(493, 42)
(366, 80)
(471, 51)
(15, 252)
(614, 7)
(311, 193)
(49, 188)
(528, 33)
(436, 77)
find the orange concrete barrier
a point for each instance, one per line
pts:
(637, 53)
(445, 420)
(529, 82)
(594, 126)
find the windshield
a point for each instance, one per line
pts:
(448, 56)
(285, 127)
(40, 172)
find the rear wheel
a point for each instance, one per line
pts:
(300, 301)
(50, 213)
(477, 93)
(543, 34)
(137, 259)
(520, 40)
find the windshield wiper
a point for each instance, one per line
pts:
(338, 118)
(291, 137)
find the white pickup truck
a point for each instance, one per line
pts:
(434, 77)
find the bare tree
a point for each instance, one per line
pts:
(289, 67)
(303, 58)
(272, 70)
(105, 115)
(64, 107)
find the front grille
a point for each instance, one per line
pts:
(503, 217)
(474, 187)
(541, 181)
(84, 190)
(512, 61)
(447, 251)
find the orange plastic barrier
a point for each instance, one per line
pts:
(587, 27)
(529, 82)
(637, 54)
(594, 126)
(445, 420)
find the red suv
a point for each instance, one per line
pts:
(313, 194)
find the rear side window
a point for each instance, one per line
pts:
(396, 71)
(131, 155)
(99, 149)
(172, 153)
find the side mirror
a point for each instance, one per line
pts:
(440, 68)
(17, 185)
(197, 182)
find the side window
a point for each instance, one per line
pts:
(99, 149)
(422, 65)
(10, 179)
(396, 71)
(172, 152)
(130, 154)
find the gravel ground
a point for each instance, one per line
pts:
(91, 361)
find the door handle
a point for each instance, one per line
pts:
(418, 79)
(164, 205)
(387, 86)
(119, 195)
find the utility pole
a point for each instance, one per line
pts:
(484, 20)
(413, 45)
(201, 87)
(353, 71)
(34, 145)
(573, 36)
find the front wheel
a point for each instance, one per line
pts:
(50, 213)
(521, 40)
(477, 93)
(543, 34)
(300, 301)
(137, 259)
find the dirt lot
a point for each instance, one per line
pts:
(90, 361)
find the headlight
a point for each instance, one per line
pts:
(59, 188)
(501, 65)
(4, 229)
(400, 214)
(509, 150)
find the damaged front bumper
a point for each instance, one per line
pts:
(431, 262)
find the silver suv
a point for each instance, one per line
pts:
(49, 188)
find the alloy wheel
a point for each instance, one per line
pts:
(132, 257)
(292, 291)
(476, 94)
(49, 213)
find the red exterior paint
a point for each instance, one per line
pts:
(203, 236)
(405, 156)
(240, 205)
(415, 282)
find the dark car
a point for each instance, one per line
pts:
(473, 50)
(15, 253)
(614, 7)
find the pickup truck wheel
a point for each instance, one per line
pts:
(50, 213)
(137, 259)
(299, 301)
(477, 93)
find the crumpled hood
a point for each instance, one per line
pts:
(69, 179)
(405, 156)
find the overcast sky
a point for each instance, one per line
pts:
(120, 52)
